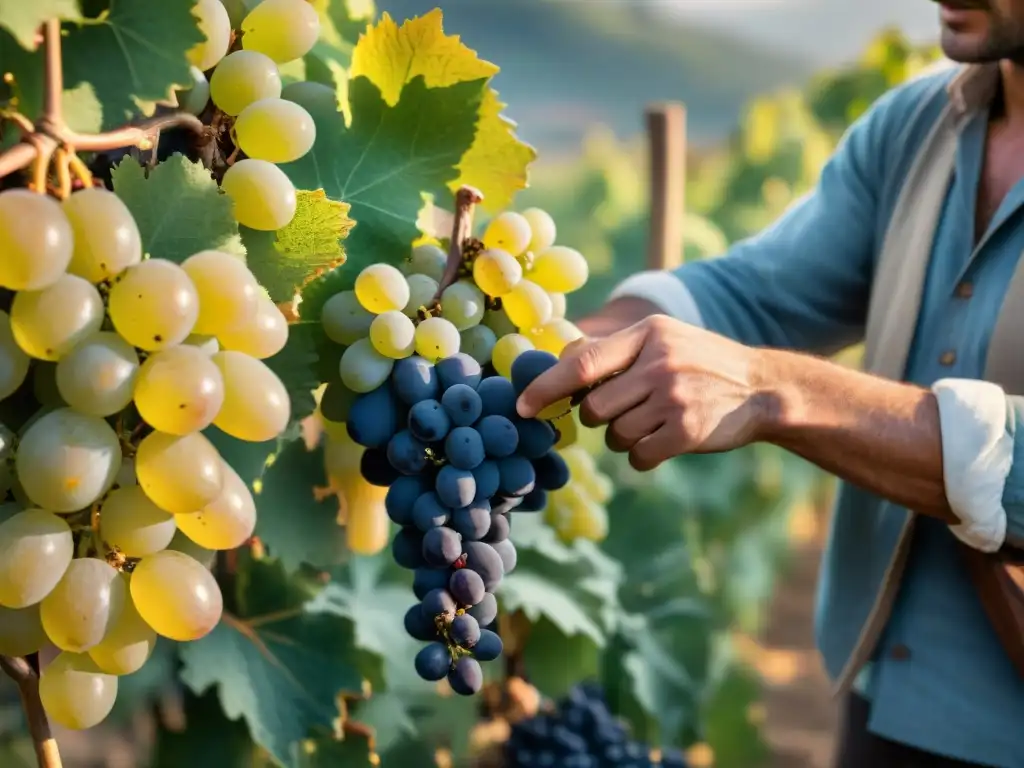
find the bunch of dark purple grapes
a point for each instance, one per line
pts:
(457, 459)
(580, 733)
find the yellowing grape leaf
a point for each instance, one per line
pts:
(179, 208)
(497, 162)
(391, 55)
(24, 17)
(316, 232)
(381, 164)
(278, 662)
(282, 261)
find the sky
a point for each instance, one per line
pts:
(827, 31)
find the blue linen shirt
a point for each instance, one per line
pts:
(939, 679)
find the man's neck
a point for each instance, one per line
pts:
(1012, 91)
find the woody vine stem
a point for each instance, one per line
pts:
(49, 150)
(50, 145)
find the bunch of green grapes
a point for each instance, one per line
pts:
(269, 123)
(116, 498)
(578, 511)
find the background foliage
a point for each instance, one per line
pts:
(310, 666)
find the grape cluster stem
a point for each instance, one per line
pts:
(50, 143)
(23, 671)
(462, 229)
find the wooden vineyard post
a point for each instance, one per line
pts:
(666, 138)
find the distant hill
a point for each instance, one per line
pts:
(567, 65)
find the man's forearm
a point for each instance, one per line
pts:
(877, 434)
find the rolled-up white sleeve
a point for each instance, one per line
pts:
(977, 458)
(665, 290)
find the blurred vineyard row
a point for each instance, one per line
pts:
(693, 550)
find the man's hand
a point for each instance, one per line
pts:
(674, 389)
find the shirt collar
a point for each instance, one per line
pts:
(973, 87)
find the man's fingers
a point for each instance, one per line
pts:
(612, 398)
(633, 426)
(649, 452)
(581, 367)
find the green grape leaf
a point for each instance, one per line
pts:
(23, 89)
(179, 208)
(646, 685)
(391, 55)
(116, 65)
(556, 661)
(575, 587)
(297, 365)
(309, 244)
(537, 597)
(359, 594)
(220, 741)
(23, 19)
(279, 663)
(381, 165)
(297, 516)
(735, 736)
(404, 710)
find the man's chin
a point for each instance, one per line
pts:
(967, 48)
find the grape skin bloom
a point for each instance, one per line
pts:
(67, 460)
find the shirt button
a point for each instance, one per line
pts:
(899, 652)
(965, 290)
(948, 357)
